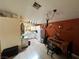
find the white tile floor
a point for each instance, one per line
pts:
(36, 50)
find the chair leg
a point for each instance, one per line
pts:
(52, 53)
(47, 51)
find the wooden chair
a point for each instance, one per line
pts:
(50, 47)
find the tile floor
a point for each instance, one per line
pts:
(37, 50)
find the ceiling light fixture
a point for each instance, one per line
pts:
(50, 15)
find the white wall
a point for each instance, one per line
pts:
(9, 32)
(67, 9)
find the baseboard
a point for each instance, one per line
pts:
(74, 55)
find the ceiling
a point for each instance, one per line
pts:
(66, 9)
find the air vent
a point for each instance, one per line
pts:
(36, 5)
